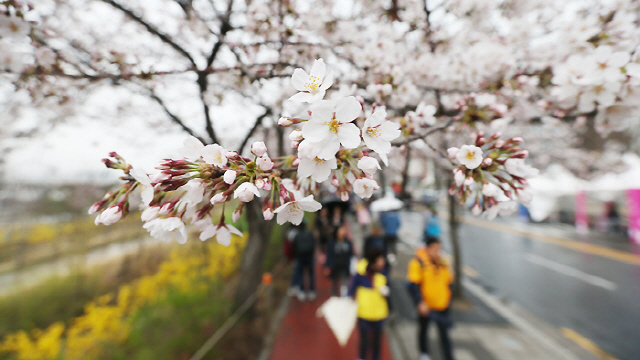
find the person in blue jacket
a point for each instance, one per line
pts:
(390, 221)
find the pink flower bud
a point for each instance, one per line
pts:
(166, 208)
(344, 196)
(517, 140)
(487, 161)
(264, 163)
(259, 183)
(294, 145)
(231, 154)
(296, 162)
(267, 185)
(95, 207)
(296, 135)
(476, 210)
(258, 148)
(236, 215)
(268, 214)
(453, 152)
(335, 182)
(499, 143)
(218, 198)
(229, 176)
(285, 121)
(469, 181)
(458, 177)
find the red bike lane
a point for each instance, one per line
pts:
(304, 336)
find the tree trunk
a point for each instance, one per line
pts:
(404, 195)
(455, 247)
(252, 265)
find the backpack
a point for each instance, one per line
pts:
(303, 243)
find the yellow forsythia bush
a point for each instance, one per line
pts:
(106, 319)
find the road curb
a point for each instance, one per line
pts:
(527, 325)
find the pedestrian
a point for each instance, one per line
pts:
(289, 253)
(432, 229)
(304, 248)
(339, 253)
(322, 228)
(429, 279)
(390, 223)
(370, 290)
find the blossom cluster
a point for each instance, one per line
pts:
(492, 175)
(331, 149)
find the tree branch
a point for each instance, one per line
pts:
(174, 117)
(259, 119)
(150, 28)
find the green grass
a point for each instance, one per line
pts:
(174, 326)
(61, 298)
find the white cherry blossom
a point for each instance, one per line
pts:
(491, 190)
(222, 233)
(293, 211)
(194, 192)
(229, 176)
(317, 168)
(313, 86)
(110, 215)
(470, 156)
(518, 167)
(331, 124)
(144, 183)
(168, 229)
(245, 192)
(215, 154)
(258, 148)
(150, 213)
(218, 198)
(264, 163)
(369, 165)
(365, 187)
(378, 132)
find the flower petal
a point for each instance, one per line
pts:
(330, 149)
(298, 79)
(223, 236)
(319, 69)
(348, 109)
(301, 97)
(349, 135)
(322, 111)
(309, 204)
(327, 82)
(315, 132)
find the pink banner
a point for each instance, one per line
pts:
(582, 218)
(633, 220)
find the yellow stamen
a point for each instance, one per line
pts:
(374, 132)
(312, 84)
(334, 125)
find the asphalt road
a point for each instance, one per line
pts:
(588, 290)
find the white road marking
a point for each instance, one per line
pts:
(573, 272)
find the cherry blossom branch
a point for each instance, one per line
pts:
(151, 29)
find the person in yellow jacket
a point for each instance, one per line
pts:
(429, 279)
(370, 289)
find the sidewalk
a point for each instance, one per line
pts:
(302, 335)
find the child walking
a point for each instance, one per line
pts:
(370, 290)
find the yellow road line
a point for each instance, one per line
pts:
(586, 248)
(586, 344)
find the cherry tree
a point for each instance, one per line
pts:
(350, 85)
